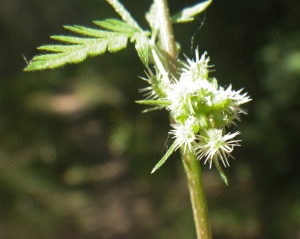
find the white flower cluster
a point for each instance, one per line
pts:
(200, 108)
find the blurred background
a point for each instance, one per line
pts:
(76, 152)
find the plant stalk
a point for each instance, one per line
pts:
(191, 164)
(197, 194)
(166, 35)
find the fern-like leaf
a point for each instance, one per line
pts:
(96, 41)
(64, 54)
(76, 49)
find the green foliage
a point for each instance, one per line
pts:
(163, 91)
(158, 104)
(187, 14)
(77, 49)
(142, 46)
(220, 170)
(92, 42)
(165, 157)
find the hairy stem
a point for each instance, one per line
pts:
(191, 164)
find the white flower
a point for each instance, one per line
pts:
(217, 145)
(234, 110)
(180, 96)
(197, 69)
(184, 133)
(182, 91)
(235, 96)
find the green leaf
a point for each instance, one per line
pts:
(187, 14)
(165, 157)
(95, 42)
(59, 48)
(74, 53)
(125, 15)
(78, 48)
(77, 40)
(117, 43)
(220, 170)
(142, 47)
(117, 26)
(90, 31)
(163, 103)
(50, 61)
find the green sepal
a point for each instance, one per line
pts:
(165, 157)
(162, 103)
(187, 14)
(217, 119)
(220, 170)
(221, 105)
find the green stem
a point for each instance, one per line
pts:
(166, 35)
(197, 194)
(191, 164)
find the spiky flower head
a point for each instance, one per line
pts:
(201, 109)
(214, 144)
(198, 69)
(185, 134)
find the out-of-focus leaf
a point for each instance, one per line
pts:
(187, 14)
